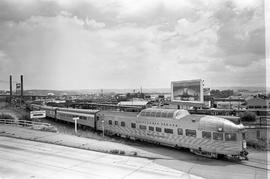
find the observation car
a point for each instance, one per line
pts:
(204, 135)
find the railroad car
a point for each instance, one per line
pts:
(86, 116)
(209, 136)
(35, 107)
(204, 135)
(50, 111)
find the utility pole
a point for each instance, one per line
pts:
(21, 91)
(76, 119)
(10, 88)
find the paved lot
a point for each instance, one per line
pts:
(28, 159)
(177, 160)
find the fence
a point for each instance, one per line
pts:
(29, 124)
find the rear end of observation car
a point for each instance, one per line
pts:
(225, 138)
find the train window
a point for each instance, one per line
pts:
(153, 114)
(123, 124)
(244, 136)
(147, 113)
(164, 114)
(206, 135)
(217, 136)
(83, 117)
(110, 122)
(142, 127)
(158, 129)
(190, 133)
(151, 128)
(169, 131)
(143, 113)
(170, 115)
(133, 125)
(158, 114)
(116, 123)
(258, 134)
(180, 131)
(230, 137)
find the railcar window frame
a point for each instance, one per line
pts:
(133, 125)
(179, 131)
(164, 114)
(151, 128)
(206, 135)
(116, 123)
(158, 114)
(191, 133)
(218, 134)
(123, 124)
(229, 136)
(168, 130)
(110, 122)
(170, 115)
(142, 127)
(153, 114)
(143, 113)
(158, 129)
(244, 136)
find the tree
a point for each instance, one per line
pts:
(248, 116)
(221, 94)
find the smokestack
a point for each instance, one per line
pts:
(10, 87)
(21, 87)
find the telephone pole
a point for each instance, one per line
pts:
(21, 91)
(10, 88)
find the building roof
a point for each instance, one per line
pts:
(132, 103)
(256, 102)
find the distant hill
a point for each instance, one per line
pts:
(145, 90)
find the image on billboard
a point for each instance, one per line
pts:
(187, 91)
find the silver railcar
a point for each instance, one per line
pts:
(204, 135)
(86, 116)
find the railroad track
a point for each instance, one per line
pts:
(255, 163)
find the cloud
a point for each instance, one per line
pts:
(241, 35)
(122, 44)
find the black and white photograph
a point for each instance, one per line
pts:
(128, 89)
(187, 91)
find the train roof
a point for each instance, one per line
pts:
(214, 123)
(164, 113)
(88, 111)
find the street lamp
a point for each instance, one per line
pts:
(76, 119)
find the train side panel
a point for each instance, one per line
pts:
(141, 131)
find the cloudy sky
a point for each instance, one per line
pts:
(84, 44)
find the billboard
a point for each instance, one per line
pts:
(187, 91)
(37, 114)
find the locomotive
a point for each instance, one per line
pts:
(204, 135)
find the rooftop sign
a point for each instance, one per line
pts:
(190, 91)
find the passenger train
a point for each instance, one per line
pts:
(209, 136)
